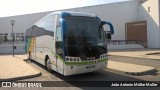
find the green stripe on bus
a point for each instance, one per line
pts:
(85, 62)
(50, 62)
(57, 56)
(78, 63)
(103, 60)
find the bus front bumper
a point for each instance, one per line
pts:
(79, 69)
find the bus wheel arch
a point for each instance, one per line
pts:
(48, 63)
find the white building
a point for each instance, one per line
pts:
(119, 14)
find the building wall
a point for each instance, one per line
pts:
(22, 22)
(149, 11)
(115, 13)
(7, 48)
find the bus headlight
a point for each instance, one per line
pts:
(103, 56)
(72, 59)
(67, 59)
(78, 59)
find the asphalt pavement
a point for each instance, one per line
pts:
(14, 68)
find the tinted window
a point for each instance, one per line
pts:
(45, 26)
(84, 38)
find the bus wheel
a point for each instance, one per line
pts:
(48, 64)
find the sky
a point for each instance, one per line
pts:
(19, 7)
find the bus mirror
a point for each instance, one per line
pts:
(110, 25)
(108, 35)
(105, 33)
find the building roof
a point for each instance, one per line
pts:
(142, 1)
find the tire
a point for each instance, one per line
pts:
(48, 65)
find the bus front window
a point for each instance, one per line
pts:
(84, 38)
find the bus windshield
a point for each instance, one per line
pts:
(84, 38)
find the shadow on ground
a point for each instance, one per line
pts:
(70, 81)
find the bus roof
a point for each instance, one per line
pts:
(72, 13)
(64, 14)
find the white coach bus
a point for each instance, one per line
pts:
(69, 42)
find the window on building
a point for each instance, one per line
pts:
(19, 37)
(22, 37)
(5, 37)
(1, 38)
(13, 37)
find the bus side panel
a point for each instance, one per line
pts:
(60, 65)
(31, 47)
(77, 68)
(45, 46)
(39, 50)
(32, 44)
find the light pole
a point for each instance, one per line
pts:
(12, 23)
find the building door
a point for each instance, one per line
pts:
(137, 31)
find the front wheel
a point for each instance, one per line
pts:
(48, 65)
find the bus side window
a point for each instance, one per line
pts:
(59, 50)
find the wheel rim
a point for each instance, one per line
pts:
(48, 64)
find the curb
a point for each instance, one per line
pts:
(136, 57)
(150, 72)
(22, 77)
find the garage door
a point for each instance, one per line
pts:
(137, 31)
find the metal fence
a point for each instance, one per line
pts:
(122, 42)
(10, 42)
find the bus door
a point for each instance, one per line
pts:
(59, 50)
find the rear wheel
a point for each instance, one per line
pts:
(48, 64)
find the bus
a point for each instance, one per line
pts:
(69, 42)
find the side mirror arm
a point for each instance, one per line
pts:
(110, 25)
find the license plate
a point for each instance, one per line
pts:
(89, 67)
